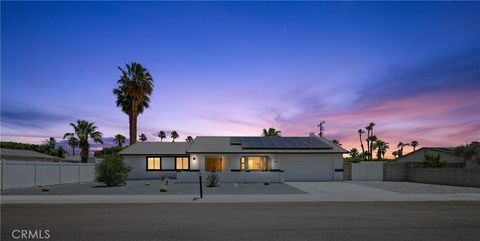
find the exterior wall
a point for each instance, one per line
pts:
(445, 176)
(309, 167)
(139, 168)
(17, 174)
(420, 154)
(367, 171)
(231, 177)
(395, 172)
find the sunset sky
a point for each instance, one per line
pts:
(229, 68)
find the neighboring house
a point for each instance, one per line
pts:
(297, 158)
(446, 153)
(25, 155)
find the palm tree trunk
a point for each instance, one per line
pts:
(361, 143)
(84, 153)
(132, 119)
(73, 151)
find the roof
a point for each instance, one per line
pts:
(448, 150)
(155, 148)
(5, 153)
(223, 144)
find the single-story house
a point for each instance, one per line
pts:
(248, 159)
(25, 155)
(446, 153)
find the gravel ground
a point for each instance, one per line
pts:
(416, 188)
(138, 187)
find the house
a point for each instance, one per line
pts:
(446, 153)
(238, 159)
(25, 155)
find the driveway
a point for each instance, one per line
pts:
(345, 221)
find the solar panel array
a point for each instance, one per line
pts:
(279, 143)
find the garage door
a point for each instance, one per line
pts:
(307, 169)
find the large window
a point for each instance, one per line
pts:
(182, 163)
(153, 164)
(254, 163)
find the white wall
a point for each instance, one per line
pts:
(139, 168)
(16, 174)
(367, 171)
(229, 177)
(309, 167)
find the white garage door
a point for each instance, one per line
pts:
(307, 169)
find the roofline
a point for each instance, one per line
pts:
(429, 148)
(264, 152)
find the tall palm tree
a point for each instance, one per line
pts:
(360, 132)
(271, 132)
(72, 142)
(354, 153)
(369, 129)
(83, 130)
(119, 140)
(133, 94)
(414, 144)
(174, 135)
(142, 137)
(161, 135)
(401, 145)
(189, 139)
(372, 139)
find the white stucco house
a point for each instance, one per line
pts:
(238, 159)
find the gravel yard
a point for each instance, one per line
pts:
(139, 187)
(416, 188)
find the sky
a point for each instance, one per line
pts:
(234, 68)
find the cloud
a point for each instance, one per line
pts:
(27, 117)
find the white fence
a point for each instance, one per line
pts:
(15, 174)
(227, 177)
(367, 171)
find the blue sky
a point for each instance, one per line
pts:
(233, 68)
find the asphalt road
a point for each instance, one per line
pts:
(377, 221)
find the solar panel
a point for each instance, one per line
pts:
(279, 143)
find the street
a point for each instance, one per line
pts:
(248, 221)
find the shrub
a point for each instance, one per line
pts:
(45, 189)
(112, 171)
(213, 179)
(266, 183)
(433, 161)
(163, 189)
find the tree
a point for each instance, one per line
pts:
(72, 142)
(133, 94)
(271, 132)
(83, 130)
(369, 129)
(433, 161)
(119, 140)
(336, 142)
(112, 171)
(471, 152)
(321, 128)
(161, 135)
(174, 135)
(142, 137)
(381, 147)
(395, 154)
(400, 147)
(372, 139)
(360, 132)
(354, 153)
(189, 139)
(414, 144)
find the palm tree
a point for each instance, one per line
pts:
(395, 154)
(72, 142)
(51, 142)
(271, 132)
(142, 137)
(369, 129)
(401, 145)
(189, 139)
(381, 147)
(354, 153)
(372, 139)
(119, 139)
(174, 135)
(161, 135)
(360, 132)
(83, 130)
(336, 142)
(414, 144)
(133, 94)
(321, 128)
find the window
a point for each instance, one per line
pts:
(254, 163)
(182, 163)
(153, 164)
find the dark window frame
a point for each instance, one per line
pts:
(161, 168)
(176, 160)
(153, 170)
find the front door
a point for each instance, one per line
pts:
(213, 164)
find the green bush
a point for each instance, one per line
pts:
(433, 161)
(266, 183)
(112, 171)
(213, 180)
